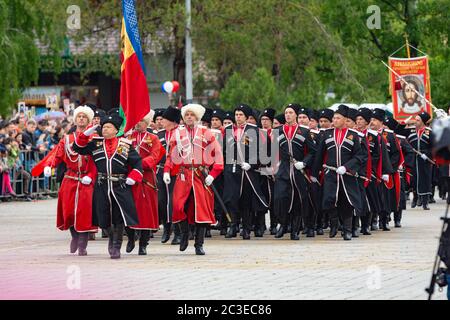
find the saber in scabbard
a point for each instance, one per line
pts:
(420, 154)
(218, 197)
(356, 175)
(292, 160)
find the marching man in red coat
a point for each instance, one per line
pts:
(75, 193)
(145, 194)
(194, 151)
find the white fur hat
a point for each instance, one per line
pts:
(86, 110)
(149, 117)
(197, 109)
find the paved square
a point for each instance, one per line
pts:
(35, 263)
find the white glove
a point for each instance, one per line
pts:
(91, 130)
(48, 171)
(314, 180)
(424, 156)
(385, 177)
(209, 180)
(166, 178)
(245, 166)
(86, 180)
(130, 182)
(341, 170)
(299, 165)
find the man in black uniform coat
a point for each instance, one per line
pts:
(296, 154)
(170, 119)
(242, 192)
(340, 149)
(363, 119)
(119, 167)
(421, 139)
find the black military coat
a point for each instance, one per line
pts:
(347, 154)
(235, 153)
(301, 148)
(423, 168)
(113, 200)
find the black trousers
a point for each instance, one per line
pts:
(245, 212)
(343, 211)
(294, 217)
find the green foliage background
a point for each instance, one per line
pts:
(265, 52)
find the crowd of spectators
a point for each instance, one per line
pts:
(23, 143)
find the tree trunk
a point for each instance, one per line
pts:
(411, 27)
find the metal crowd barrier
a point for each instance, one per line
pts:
(38, 187)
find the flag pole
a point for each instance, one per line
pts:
(189, 86)
(408, 50)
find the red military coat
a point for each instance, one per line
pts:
(74, 198)
(145, 194)
(191, 151)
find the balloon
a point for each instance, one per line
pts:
(176, 86)
(168, 87)
(162, 88)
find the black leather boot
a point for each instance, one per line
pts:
(319, 231)
(199, 239)
(184, 241)
(104, 233)
(355, 233)
(208, 232)
(280, 232)
(232, 231)
(419, 201)
(333, 229)
(245, 234)
(295, 235)
(83, 239)
(110, 231)
(398, 219)
(166, 232)
(191, 232)
(131, 239)
(425, 203)
(414, 202)
(74, 241)
(365, 231)
(347, 235)
(385, 224)
(143, 242)
(310, 233)
(176, 235)
(223, 231)
(117, 240)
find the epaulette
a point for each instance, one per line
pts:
(305, 127)
(375, 133)
(389, 131)
(400, 137)
(125, 140)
